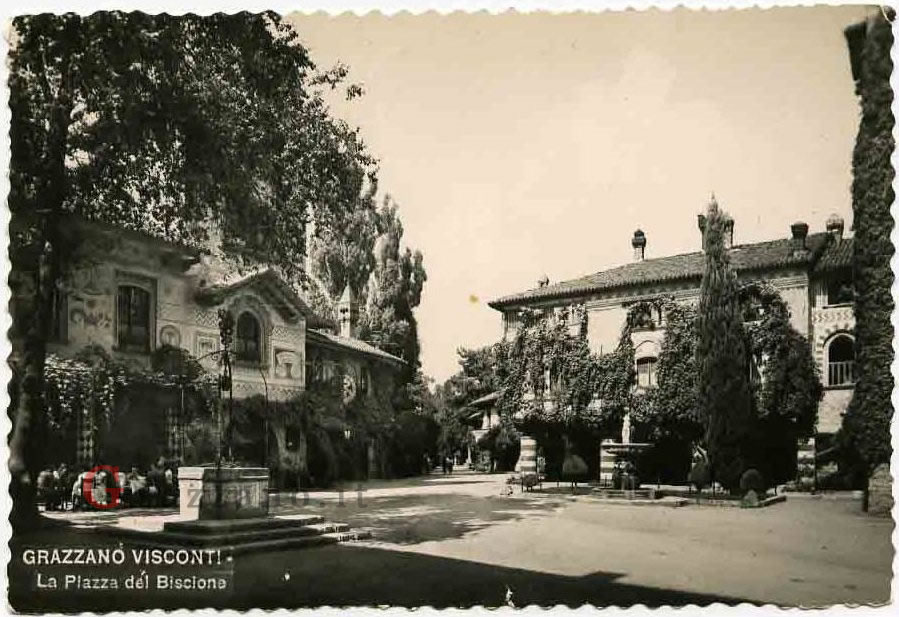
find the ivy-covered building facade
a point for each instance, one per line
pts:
(810, 273)
(131, 299)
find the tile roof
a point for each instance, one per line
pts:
(352, 344)
(837, 255)
(756, 256)
(232, 282)
(487, 398)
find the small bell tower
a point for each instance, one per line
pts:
(348, 314)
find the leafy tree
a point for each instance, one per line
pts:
(169, 125)
(394, 291)
(867, 422)
(478, 376)
(345, 255)
(504, 444)
(724, 399)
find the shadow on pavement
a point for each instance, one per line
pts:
(341, 575)
(356, 575)
(410, 519)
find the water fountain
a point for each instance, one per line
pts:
(625, 453)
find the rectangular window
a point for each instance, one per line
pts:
(646, 372)
(133, 319)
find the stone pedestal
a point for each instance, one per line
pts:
(606, 464)
(207, 493)
(880, 492)
(527, 460)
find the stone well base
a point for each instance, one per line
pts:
(207, 493)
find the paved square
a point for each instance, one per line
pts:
(456, 541)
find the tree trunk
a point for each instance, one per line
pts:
(44, 270)
(25, 457)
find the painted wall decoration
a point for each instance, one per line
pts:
(206, 344)
(170, 335)
(287, 364)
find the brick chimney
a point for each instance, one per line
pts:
(639, 244)
(700, 222)
(799, 230)
(835, 226)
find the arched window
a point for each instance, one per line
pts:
(646, 372)
(841, 361)
(248, 338)
(133, 319)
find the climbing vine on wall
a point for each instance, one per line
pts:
(548, 372)
(789, 385)
(90, 381)
(670, 410)
(599, 389)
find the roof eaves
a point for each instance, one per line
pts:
(217, 292)
(356, 346)
(572, 288)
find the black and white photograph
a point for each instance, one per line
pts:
(317, 308)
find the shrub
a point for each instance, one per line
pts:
(752, 480)
(529, 480)
(699, 475)
(574, 467)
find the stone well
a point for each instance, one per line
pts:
(210, 493)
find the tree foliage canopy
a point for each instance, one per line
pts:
(394, 291)
(172, 125)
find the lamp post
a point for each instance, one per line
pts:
(226, 334)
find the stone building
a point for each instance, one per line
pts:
(812, 272)
(131, 294)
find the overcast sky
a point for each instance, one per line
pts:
(524, 145)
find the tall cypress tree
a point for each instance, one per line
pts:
(724, 398)
(867, 423)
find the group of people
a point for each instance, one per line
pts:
(448, 463)
(54, 486)
(100, 487)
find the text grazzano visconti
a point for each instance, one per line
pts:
(118, 556)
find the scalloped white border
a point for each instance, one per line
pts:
(392, 7)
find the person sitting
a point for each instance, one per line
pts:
(155, 486)
(135, 488)
(83, 482)
(46, 489)
(102, 481)
(63, 480)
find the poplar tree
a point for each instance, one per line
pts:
(724, 398)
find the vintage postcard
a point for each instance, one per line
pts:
(449, 310)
